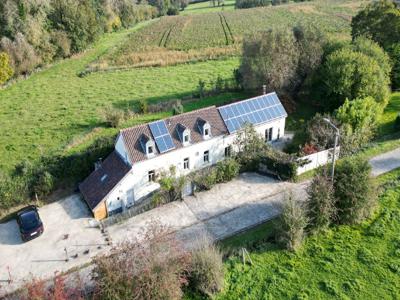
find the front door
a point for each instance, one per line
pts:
(130, 199)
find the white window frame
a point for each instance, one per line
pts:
(151, 176)
(269, 134)
(186, 163)
(228, 151)
(206, 156)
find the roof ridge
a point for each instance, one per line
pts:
(168, 118)
(189, 112)
(244, 100)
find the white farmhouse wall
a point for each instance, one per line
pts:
(120, 148)
(277, 125)
(135, 185)
(317, 159)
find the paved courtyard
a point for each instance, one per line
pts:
(67, 226)
(221, 212)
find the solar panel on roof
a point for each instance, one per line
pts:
(257, 110)
(161, 136)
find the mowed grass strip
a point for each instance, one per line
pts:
(344, 262)
(42, 114)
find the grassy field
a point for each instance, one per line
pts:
(345, 262)
(204, 36)
(206, 7)
(54, 108)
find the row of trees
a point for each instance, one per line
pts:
(349, 199)
(257, 3)
(33, 33)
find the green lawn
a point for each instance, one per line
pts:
(345, 262)
(55, 107)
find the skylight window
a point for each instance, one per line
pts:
(104, 177)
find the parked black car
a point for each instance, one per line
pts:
(29, 222)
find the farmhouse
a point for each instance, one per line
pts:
(189, 142)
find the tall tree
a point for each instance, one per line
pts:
(349, 74)
(380, 20)
(281, 58)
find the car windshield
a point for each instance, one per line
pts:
(29, 220)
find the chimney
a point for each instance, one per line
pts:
(264, 89)
(97, 164)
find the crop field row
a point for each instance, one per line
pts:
(214, 35)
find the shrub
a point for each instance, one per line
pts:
(114, 117)
(292, 223)
(319, 133)
(355, 194)
(358, 120)
(23, 57)
(349, 73)
(58, 289)
(177, 108)
(280, 164)
(44, 184)
(151, 267)
(13, 191)
(62, 43)
(143, 106)
(226, 170)
(5, 68)
(171, 185)
(205, 179)
(207, 269)
(201, 89)
(250, 146)
(321, 202)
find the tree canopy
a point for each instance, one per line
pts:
(380, 21)
(358, 70)
(281, 58)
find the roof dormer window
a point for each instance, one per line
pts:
(150, 149)
(204, 128)
(184, 134)
(148, 145)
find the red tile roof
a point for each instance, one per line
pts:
(189, 120)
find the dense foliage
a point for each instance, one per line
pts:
(249, 146)
(380, 20)
(280, 164)
(359, 120)
(321, 202)
(281, 58)
(34, 33)
(207, 268)
(354, 191)
(5, 69)
(292, 223)
(353, 71)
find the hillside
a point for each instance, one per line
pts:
(213, 35)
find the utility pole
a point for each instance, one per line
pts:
(337, 133)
